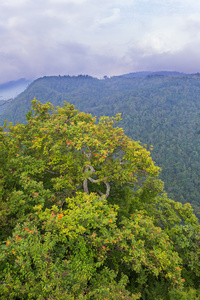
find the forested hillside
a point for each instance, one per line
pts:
(162, 111)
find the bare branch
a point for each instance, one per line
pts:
(85, 186)
(52, 172)
(107, 190)
(85, 183)
(95, 180)
(88, 155)
(6, 101)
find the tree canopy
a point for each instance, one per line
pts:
(84, 215)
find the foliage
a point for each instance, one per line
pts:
(84, 216)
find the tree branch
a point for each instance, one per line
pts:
(52, 172)
(7, 101)
(107, 190)
(85, 183)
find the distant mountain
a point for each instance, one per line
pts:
(11, 89)
(159, 73)
(162, 110)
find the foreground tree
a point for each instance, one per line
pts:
(62, 151)
(83, 215)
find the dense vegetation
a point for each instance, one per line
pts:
(84, 215)
(162, 111)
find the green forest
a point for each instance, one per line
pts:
(157, 109)
(84, 214)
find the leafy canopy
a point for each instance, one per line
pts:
(84, 216)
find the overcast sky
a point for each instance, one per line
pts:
(97, 37)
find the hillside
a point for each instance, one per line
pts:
(11, 89)
(158, 110)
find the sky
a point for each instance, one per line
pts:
(97, 37)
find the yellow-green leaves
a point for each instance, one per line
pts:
(83, 215)
(64, 142)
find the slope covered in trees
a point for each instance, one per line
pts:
(162, 111)
(84, 216)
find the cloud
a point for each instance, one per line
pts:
(185, 60)
(97, 37)
(112, 18)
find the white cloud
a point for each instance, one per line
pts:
(113, 17)
(95, 37)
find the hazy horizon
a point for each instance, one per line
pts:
(58, 37)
